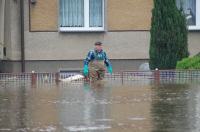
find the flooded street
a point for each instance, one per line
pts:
(108, 106)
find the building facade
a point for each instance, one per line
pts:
(59, 33)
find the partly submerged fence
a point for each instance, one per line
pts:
(161, 74)
(121, 76)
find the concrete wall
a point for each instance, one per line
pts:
(2, 27)
(7, 37)
(119, 42)
(194, 42)
(44, 51)
(12, 30)
(2, 15)
(12, 37)
(56, 65)
(74, 46)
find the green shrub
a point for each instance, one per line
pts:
(189, 63)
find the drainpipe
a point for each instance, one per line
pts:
(22, 35)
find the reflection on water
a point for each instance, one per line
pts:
(176, 107)
(106, 106)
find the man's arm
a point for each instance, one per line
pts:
(89, 57)
(106, 60)
(108, 64)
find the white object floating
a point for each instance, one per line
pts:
(87, 128)
(72, 78)
(137, 118)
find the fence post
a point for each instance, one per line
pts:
(190, 74)
(57, 77)
(157, 74)
(33, 78)
(122, 77)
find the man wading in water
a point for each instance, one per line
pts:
(95, 62)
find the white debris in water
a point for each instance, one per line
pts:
(137, 118)
(104, 119)
(72, 78)
(46, 129)
(23, 130)
(103, 101)
(5, 129)
(169, 99)
(86, 128)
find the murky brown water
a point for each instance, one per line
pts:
(137, 106)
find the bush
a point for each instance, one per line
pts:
(189, 63)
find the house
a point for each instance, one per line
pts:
(57, 34)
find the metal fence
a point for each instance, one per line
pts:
(161, 75)
(15, 76)
(121, 76)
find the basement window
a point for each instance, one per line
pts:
(81, 15)
(192, 12)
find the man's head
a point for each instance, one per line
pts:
(98, 46)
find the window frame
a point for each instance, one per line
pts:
(86, 27)
(197, 26)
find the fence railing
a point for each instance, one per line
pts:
(15, 76)
(121, 76)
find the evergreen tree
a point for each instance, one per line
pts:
(168, 35)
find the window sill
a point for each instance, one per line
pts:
(194, 28)
(66, 29)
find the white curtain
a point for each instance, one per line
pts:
(96, 13)
(189, 8)
(71, 13)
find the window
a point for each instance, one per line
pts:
(81, 15)
(191, 9)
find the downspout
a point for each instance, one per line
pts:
(22, 35)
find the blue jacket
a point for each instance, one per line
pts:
(94, 55)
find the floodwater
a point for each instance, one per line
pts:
(108, 106)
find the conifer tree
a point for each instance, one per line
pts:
(169, 42)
